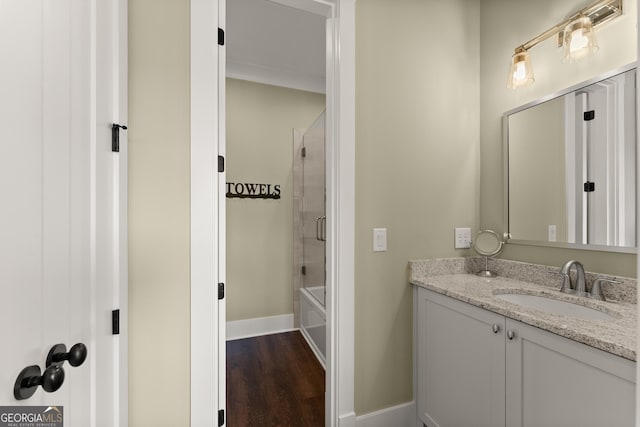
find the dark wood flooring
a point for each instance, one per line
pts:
(274, 380)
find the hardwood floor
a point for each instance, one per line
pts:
(274, 380)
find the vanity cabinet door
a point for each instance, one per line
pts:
(554, 381)
(460, 363)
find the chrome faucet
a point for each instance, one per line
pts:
(580, 286)
(568, 286)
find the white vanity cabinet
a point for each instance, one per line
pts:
(478, 368)
(460, 363)
(554, 381)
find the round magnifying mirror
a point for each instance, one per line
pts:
(488, 244)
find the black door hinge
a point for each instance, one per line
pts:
(115, 137)
(589, 115)
(220, 417)
(304, 270)
(115, 322)
(220, 164)
(220, 36)
(220, 290)
(589, 187)
(304, 152)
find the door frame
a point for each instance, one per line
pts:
(207, 218)
(207, 210)
(120, 41)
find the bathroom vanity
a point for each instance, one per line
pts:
(484, 358)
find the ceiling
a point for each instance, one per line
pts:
(275, 44)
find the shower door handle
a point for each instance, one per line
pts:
(323, 228)
(318, 228)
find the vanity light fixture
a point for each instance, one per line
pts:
(575, 35)
(521, 71)
(579, 39)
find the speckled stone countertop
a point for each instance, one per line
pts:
(455, 277)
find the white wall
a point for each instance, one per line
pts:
(260, 123)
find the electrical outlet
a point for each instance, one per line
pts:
(462, 238)
(552, 233)
(379, 239)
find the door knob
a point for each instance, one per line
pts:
(511, 334)
(58, 354)
(495, 328)
(30, 378)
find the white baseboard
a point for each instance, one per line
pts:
(259, 326)
(398, 416)
(347, 420)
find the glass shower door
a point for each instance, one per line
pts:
(313, 209)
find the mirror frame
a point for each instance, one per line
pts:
(505, 163)
(493, 253)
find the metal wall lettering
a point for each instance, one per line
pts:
(241, 190)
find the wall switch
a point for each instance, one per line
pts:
(552, 233)
(462, 238)
(379, 239)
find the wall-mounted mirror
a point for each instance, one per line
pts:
(570, 167)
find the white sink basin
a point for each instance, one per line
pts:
(554, 306)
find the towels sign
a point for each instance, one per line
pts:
(245, 190)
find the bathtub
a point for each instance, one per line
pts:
(313, 320)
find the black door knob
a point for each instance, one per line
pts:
(58, 354)
(29, 379)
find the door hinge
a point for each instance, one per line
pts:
(304, 152)
(220, 417)
(115, 137)
(304, 270)
(220, 290)
(589, 115)
(589, 187)
(220, 164)
(220, 36)
(115, 322)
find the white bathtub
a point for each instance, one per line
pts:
(313, 320)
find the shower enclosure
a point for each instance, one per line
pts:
(310, 234)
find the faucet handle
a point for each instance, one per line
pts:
(566, 281)
(596, 288)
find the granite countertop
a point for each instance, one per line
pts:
(454, 277)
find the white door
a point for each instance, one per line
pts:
(208, 369)
(62, 222)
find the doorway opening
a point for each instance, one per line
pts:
(275, 127)
(208, 201)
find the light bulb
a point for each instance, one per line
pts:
(520, 70)
(579, 39)
(520, 73)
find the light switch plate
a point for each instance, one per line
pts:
(552, 233)
(379, 239)
(462, 238)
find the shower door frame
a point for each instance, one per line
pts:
(207, 138)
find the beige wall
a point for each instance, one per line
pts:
(260, 123)
(506, 24)
(537, 190)
(159, 293)
(417, 169)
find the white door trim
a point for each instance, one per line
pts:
(121, 104)
(205, 122)
(341, 217)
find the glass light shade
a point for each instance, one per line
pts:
(520, 71)
(579, 40)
